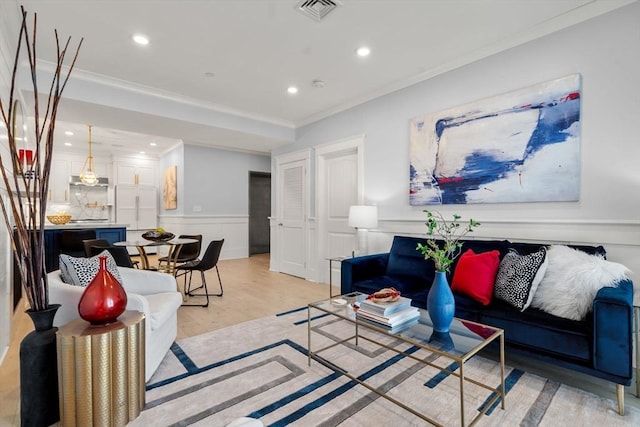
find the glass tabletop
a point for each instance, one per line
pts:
(464, 338)
(142, 242)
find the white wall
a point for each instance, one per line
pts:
(213, 195)
(174, 157)
(217, 181)
(604, 51)
(8, 20)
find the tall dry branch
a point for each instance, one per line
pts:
(27, 185)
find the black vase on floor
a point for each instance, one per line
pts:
(39, 371)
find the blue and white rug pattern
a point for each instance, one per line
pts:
(260, 369)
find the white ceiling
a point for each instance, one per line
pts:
(255, 49)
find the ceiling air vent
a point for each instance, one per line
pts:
(316, 9)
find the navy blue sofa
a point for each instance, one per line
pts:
(600, 345)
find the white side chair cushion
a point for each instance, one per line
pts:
(145, 282)
(162, 306)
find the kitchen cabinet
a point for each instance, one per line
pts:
(63, 166)
(112, 234)
(59, 182)
(137, 205)
(135, 172)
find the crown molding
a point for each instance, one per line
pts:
(573, 17)
(124, 85)
(228, 148)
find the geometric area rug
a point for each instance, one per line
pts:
(259, 369)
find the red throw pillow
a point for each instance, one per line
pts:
(475, 275)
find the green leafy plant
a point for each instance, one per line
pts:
(451, 232)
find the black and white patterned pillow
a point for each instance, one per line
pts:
(519, 276)
(81, 271)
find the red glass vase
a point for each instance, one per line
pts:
(104, 299)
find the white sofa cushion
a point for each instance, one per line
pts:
(161, 307)
(152, 293)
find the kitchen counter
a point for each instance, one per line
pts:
(83, 225)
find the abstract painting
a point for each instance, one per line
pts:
(523, 146)
(170, 188)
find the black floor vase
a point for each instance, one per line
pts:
(39, 371)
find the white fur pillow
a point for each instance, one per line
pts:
(572, 280)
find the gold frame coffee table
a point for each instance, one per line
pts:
(464, 341)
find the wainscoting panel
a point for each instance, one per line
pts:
(234, 229)
(275, 239)
(312, 250)
(621, 239)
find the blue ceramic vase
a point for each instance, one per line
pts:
(441, 305)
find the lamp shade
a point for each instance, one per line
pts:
(363, 216)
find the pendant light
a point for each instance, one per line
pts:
(88, 176)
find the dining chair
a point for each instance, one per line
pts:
(119, 253)
(104, 244)
(71, 241)
(209, 261)
(188, 252)
(93, 242)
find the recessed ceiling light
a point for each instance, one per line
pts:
(153, 144)
(363, 51)
(141, 39)
(68, 144)
(292, 90)
(142, 152)
(68, 133)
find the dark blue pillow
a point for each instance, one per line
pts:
(405, 260)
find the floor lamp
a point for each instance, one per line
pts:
(363, 218)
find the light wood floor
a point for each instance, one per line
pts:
(251, 291)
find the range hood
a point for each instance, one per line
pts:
(75, 180)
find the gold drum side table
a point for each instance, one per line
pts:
(101, 371)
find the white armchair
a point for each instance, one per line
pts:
(149, 292)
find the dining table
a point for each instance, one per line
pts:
(175, 246)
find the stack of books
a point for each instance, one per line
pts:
(393, 316)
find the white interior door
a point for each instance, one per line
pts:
(292, 216)
(339, 186)
(342, 192)
(341, 174)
